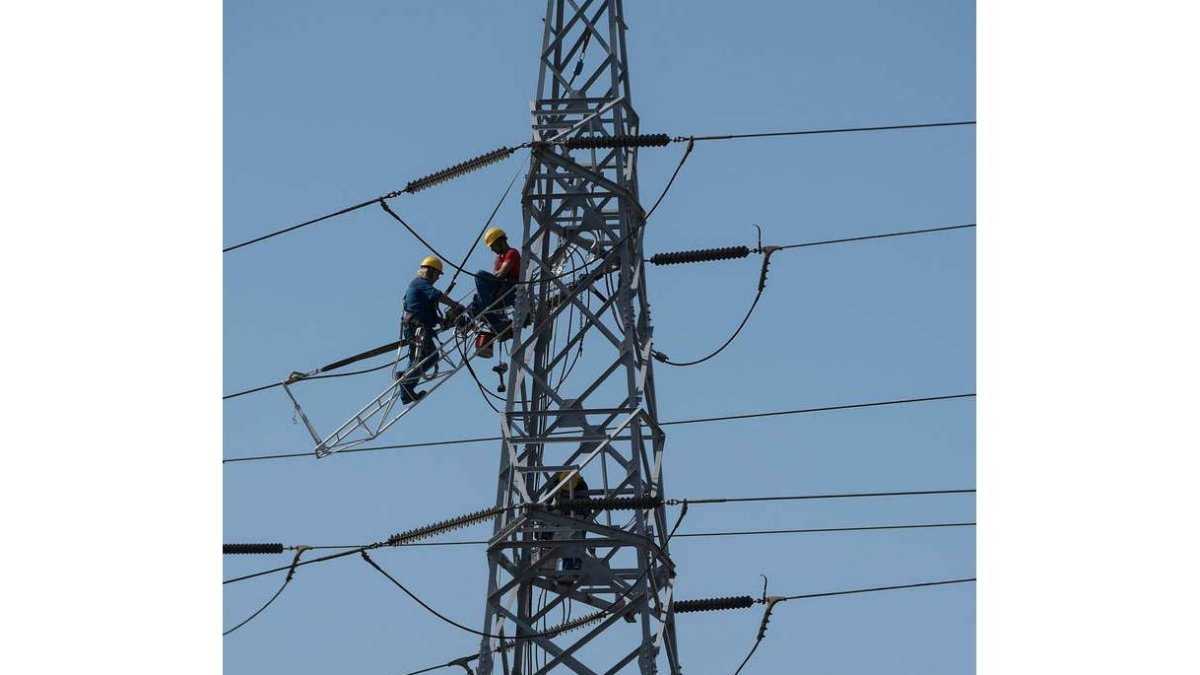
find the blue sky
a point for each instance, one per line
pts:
(326, 106)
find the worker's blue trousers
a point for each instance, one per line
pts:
(488, 289)
(422, 355)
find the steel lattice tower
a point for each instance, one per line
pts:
(581, 207)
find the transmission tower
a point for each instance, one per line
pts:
(604, 550)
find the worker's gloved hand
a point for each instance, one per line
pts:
(454, 315)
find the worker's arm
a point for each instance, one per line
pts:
(509, 264)
(448, 301)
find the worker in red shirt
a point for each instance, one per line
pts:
(494, 290)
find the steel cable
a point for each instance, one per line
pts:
(291, 573)
(663, 358)
(364, 371)
(878, 588)
(701, 420)
(417, 185)
(691, 144)
(461, 269)
(844, 495)
(350, 549)
(483, 230)
(744, 320)
(771, 601)
(285, 230)
(877, 236)
(852, 406)
(463, 660)
(604, 612)
(770, 134)
(689, 139)
(682, 535)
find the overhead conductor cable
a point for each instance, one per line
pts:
(417, 185)
(460, 169)
(709, 254)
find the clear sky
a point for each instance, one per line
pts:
(328, 104)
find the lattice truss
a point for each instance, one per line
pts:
(449, 356)
(582, 253)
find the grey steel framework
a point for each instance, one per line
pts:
(383, 411)
(545, 559)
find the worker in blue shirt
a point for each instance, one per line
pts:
(418, 325)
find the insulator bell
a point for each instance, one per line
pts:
(618, 141)
(242, 549)
(711, 604)
(444, 526)
(700, 255)
(457, 170)
(610, 504)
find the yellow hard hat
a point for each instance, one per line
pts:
(432, 261)
(492, 235)
(576, 479)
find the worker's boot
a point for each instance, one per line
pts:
(408, 395)
(504, 330)
(483, 345)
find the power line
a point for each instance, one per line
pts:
(686, 153)
(614, 606)
(260, 609)
(351, 549)
(732, 533)
(489, 158)
(742, 251)
(798, 411)
(878, 236)
(327, 558)
(770, 134)
(730, 500)
(310, 377)
(483, 230)
(801, 411)
(771, 601)
(306, 223)
(762, 286)
(448, 664)
(816, 530)
(658, 354)
(413, 186)
(265, 387)
(732, 252)
(460, 269)
(291, 573)
(877, 589)
(401, 446)
(462, 661)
